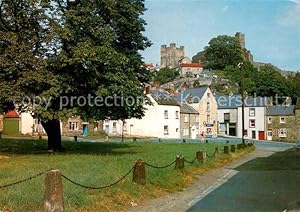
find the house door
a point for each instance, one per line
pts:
(107, 129)
(269, 135)
(194, 132)
(261, 135)
(253, 134)
(85, 130)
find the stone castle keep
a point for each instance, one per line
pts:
(170, 55)
(241, 38)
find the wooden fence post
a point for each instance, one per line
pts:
(217, 150)
(232, 148)
(139, 173)
(201, 156)
(179, 163)
(106, 139)
(53, 197)
(181, 159)
(226, 149)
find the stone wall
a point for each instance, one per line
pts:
(188, 124)
(290, 125)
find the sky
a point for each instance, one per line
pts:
(271, 27)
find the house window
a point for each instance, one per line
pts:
(269, 120)
(282, 132)
(226, 117)
(208, 119)
(166, 130)
(208, 106)
(166, 114)
(251, 111)
(73, 125)
(114, 124)
(270, 133)
(208, 95)
(185, 131)
(176, 129)
(246, 133)
(177, 115)
(252, 123)
(282, 120)
(186, 118)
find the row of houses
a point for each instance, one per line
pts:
(194, 113)
(204, 114)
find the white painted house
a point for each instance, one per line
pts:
(255, 118)
(227, 114)
(162, 119)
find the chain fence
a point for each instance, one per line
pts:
(213, 155)
(190, 162)
(159, 167)
(101, 187)
(24, 180)
(109, 185)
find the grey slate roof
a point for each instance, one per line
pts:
(228, 102)
(195, 93)
(163, 98)
(185, 108)
(235, 101)
(280, 110)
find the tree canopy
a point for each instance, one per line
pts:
(60, 48)
(165, 75)
(222, 51)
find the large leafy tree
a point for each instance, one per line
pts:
(222, 51)
(61, 49)
(165, 75)
(270, 82)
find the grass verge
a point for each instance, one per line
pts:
(98, 164)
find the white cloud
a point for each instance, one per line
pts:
(225, 8)
(292, 15)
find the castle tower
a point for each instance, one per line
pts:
(169, 56)
(241, 37)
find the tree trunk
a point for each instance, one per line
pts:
(52, 128)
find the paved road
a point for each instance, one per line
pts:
(263, 184)
(265, 180)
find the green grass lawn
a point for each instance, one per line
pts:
(96, 164)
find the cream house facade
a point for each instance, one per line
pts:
(203, 101)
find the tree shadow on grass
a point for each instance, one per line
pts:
(25, 147)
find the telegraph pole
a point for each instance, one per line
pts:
(240, 66)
